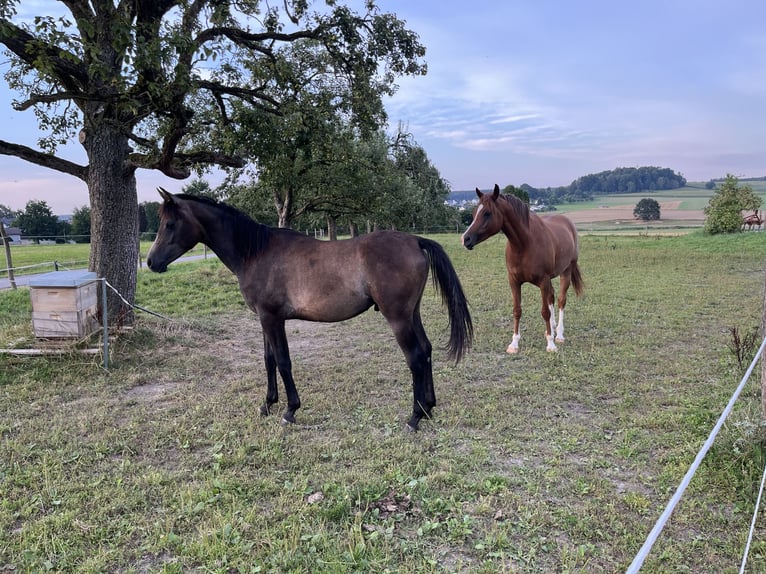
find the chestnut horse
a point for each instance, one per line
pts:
(752, 220)
(538, 249)
(285, 275)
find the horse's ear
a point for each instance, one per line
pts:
(496, 191)
(478, 193)
(168, 197)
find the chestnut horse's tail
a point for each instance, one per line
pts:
(577, 281)
(448, 284)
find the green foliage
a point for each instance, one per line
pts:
(81, 224)
(37, 221)
(429, 189)
(7, 212)
(619, 180)
(175, 86)
(149, 213)
(723, 213)
(522, 194)
(199, 187)
(647, 210)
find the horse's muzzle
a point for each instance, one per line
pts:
(152, 265)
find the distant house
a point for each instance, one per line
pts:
(14, 234)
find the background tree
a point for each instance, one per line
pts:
(81, 224)
(37, 221)
(522, 194)
(429, 190)
(164, 86)
(63, 231)
(8, 213)
(254, 199)
(647, 209)
(199, 187)
(151, 211)
(723, 213)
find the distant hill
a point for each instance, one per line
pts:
(616, 181)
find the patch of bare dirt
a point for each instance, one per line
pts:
(624, 213)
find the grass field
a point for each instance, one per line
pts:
(611, 214)
(533, 463)
(34, 258)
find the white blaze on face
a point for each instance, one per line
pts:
(475, 217)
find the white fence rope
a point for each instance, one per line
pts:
(132, 305)
(752, 524)
(638, 561)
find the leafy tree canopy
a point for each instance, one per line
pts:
(522, 194)
(619, 180)
(37, 220)
(647, 210)
(81, 224)
(723, 213)
(175, 86)
(7, 212)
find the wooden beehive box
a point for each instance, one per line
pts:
(64, 304)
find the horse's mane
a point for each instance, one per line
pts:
(250, 236)
(521, 212)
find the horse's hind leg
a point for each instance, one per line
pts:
(272, 393)
(547, 295)
(274, 332)
(564, 283)
(417, 351)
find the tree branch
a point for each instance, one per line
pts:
(43, 159)
(68, 70)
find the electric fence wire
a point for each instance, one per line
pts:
(752, 524)
(638, 561)
(133, 305)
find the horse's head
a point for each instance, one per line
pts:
(487, 219)
(179, 231)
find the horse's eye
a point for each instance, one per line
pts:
(170, 225)
(487, 215)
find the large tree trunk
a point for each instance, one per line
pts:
(284, 205)
(332, 228)
(114, 220)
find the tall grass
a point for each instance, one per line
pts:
(533, 463)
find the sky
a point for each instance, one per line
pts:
(538, 92)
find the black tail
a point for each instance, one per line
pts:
(448, 284)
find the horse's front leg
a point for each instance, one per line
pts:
(272, 393)
(274, 333)
(513, 348)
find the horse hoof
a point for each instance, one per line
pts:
(410, 428)
(552, 349)
(559, 339)
(512, 350)
(265, 411)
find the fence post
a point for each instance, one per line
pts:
(9, 261)
(763, 358)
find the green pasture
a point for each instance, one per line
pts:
(35, 258)
(532, 463)
(692, 197)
